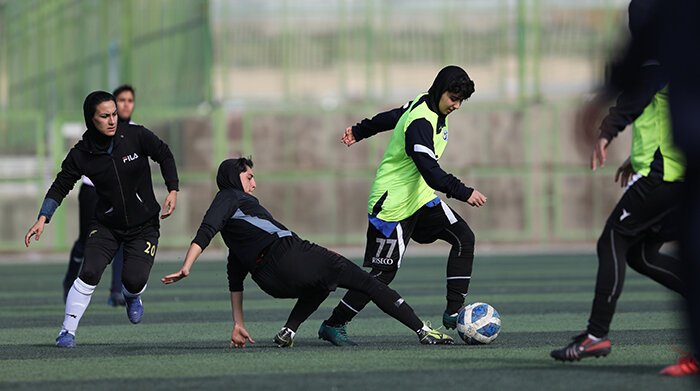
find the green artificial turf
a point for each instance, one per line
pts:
(183, 339)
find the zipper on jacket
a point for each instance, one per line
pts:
(121, 191)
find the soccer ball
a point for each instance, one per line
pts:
(478, 324)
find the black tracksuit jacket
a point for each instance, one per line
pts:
(122, 178)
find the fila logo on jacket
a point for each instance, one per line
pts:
(130, 158)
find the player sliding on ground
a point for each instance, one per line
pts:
(402, 202)
(282, 264)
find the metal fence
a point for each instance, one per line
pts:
(281, 79)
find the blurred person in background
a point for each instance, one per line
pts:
(669, 32)
(87, 201)
(402, 203)
(115, 158)
(646, 216)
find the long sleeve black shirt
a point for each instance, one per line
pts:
(632, 101)
(246, 227)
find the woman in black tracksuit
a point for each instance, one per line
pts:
(87, 200)
(115, 158)
(282, 264)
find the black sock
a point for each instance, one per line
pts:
(459, 264)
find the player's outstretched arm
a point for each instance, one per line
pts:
(61, 186)
(214, 220)
(239, 335)
(192, 254)
(35, 230)
(369, 127)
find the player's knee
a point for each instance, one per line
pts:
(464, 233)
(375, 287)
(636, 265)
(90, 275)
(465, 237)
(134, 284)
(635, 261)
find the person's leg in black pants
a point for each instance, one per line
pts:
(646, 259)
(306, 305)
(87, 201)
(612, 254)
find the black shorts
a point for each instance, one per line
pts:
(140, 245)
(648, 207)
(292, 267)
(386, 252)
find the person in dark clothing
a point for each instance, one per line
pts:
(402, 203)
(126, 97)
(115, 158)
(647, 215)
(87, 201)
(282, 264)
(668, 31)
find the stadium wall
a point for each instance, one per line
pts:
(281, 79)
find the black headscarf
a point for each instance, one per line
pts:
(93, 137)
(229, 174)
(640, 13)
(442, 81)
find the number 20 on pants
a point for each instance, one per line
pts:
(150, 249)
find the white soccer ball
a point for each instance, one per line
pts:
(478, 324)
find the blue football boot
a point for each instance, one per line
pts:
(65, 340)
(134, 308)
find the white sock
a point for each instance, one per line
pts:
(77, 301)
(425, 328)
(132, 295)
(593, 338)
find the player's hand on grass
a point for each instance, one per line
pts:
(624, 172)
(599, 154)
(169, 205)
(175, 277)
(348, 138)
(477, 199)
(35, 230)
(239, 336)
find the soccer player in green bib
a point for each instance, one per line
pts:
(402, 203)
(648, 214)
